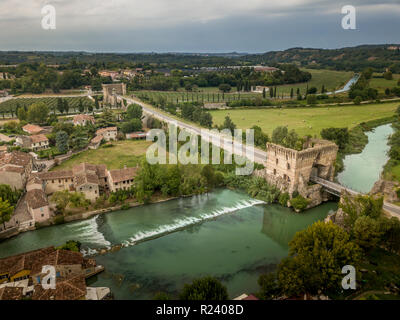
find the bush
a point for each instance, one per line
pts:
(207, 288)
(283, 199)
(357, 100)
(299, 203)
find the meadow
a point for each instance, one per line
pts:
(307, 120)
(115, 155)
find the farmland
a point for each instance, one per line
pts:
(115, 155)
(203, 95)
(308, 120)
(381, 84)
(330, 79)
(10, 106)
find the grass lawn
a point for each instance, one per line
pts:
(308, 120)
(127, 152)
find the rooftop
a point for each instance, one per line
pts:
(16, 158)
(32, 128)
(36, 199)
(123, 174)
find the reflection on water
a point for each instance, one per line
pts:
(225, 234)
(362, 170)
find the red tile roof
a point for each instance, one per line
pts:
(39, 138)
(32, 129)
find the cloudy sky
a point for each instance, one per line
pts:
(195, 25)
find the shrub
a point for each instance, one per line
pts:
(284, 198)
(299, 203)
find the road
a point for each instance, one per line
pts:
(240, 149)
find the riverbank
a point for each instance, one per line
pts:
(358, 139)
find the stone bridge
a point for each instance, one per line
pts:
(332, 187)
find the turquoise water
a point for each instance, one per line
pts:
(364, 169)
(224, 233)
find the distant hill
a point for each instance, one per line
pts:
(350, 59)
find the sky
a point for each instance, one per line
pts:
(250, 26)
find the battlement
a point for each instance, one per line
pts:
(295, 167)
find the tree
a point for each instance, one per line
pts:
(62, 141)
(60, 105)
(388, 75)
(260, 138)
(340, 136)
(225, 87)
(207, 288)
(134, 111)
(269, 286)
(66, 106)
(316, 258)
(71, 245)
(228, 124)
(366, 232)
(38, 113)
(7, 194)
(131, 126)
(22, 114)
(206, 119)
(81, 108)
(357, 100)
(291, 93)
(264, 94)
(6, 210)
(279, 135)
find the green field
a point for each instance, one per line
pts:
(308, 120)
(51, 102)
(209, 95)
(127, 152)
(332, 80)
(381, 84)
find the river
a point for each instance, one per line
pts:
(362, 170)
(224, 233)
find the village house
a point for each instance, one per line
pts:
(112, 74)
(108, 134)
(15, 168)
(32, 129)
(95, 142)
(37, 205)
(83, 120)
(35, 142)
(21, 276)
(121, 179)
(259, 89)
(91, 180)
(3, 93)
